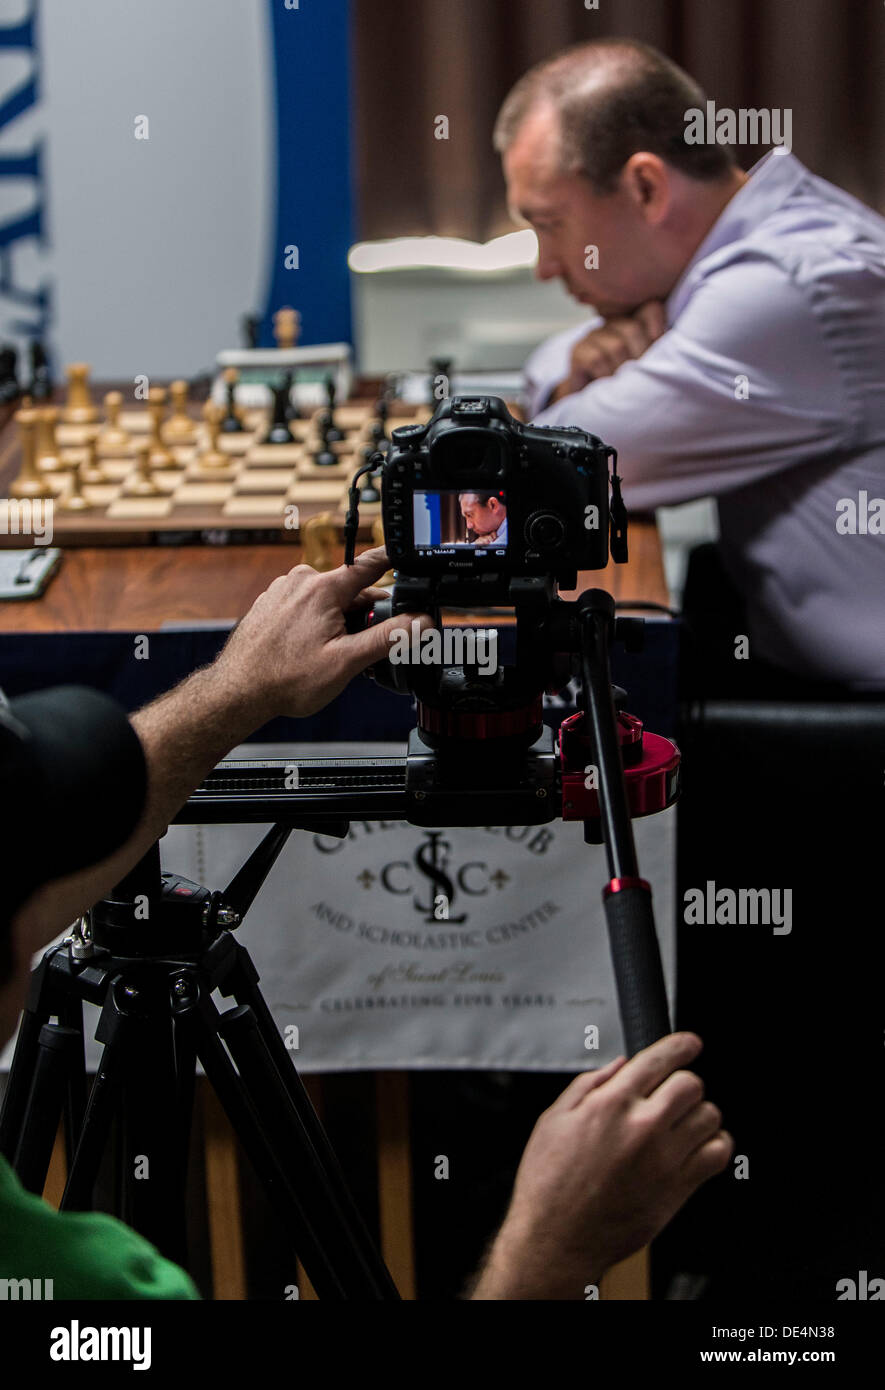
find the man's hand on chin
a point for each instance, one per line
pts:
(623, 338)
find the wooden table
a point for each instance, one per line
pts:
(140, 589)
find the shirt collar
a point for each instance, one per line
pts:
(771, 181)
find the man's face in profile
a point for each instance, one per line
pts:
(570, 219)
(483, 518)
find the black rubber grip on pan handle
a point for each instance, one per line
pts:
(639, 974)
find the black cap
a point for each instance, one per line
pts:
(72, 786)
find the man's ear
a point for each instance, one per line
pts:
(645, 179)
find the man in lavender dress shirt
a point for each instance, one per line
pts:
(738, 346)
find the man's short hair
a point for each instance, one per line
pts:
(614, 97)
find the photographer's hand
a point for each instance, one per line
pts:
(290, 655)
(604, 1170)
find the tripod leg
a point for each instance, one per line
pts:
(103, 1103)
(37, 1012)
(243, 983)
(636, 956)
(153, 1167)
(266, 1125)
(56, 1048)
(70, 1014)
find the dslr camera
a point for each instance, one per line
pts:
(473, 499)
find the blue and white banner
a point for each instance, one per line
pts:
(166, 169)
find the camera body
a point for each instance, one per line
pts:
(479, 499)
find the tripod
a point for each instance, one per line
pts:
(158, 948)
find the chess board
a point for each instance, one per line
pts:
(270, 489)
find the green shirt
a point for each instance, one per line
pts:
(85, 1254)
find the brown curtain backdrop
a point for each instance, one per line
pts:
(415, 60)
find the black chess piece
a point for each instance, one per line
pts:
(327, 427)
(328, 424)
(378, 435)
(324, 456)
(40, 388)
(292, 411)
(249, 326)
(378, 438)
(230, 421)
(279, 432)
(10, 389)
(369, 491)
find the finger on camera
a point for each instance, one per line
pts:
(373, 643)
(350, 580)
(368, 597)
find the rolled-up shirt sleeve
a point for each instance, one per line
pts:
(746, 382)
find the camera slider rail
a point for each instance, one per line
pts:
(543, 784)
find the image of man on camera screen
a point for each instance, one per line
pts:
(485, 514)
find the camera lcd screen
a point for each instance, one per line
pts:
(460, 519)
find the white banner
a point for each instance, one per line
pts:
(355, 950)
(403, 947)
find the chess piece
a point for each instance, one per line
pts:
(9, 384)
(160, 455)
(179, 428)
(319, 538)
(375, 430)
(46, 452)
(279, 432)
(292, 411)
(231, 422)
(29, 482)
(141, 483)
(333, 433)
(112, 438)
(286, 326)
(78, 408)
(212, 458)
(369, 489)
(322, 453)
(40, 387)
(73, 500)
(90, 470)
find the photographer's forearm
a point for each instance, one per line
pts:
(184, 734)
(521, 1265)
